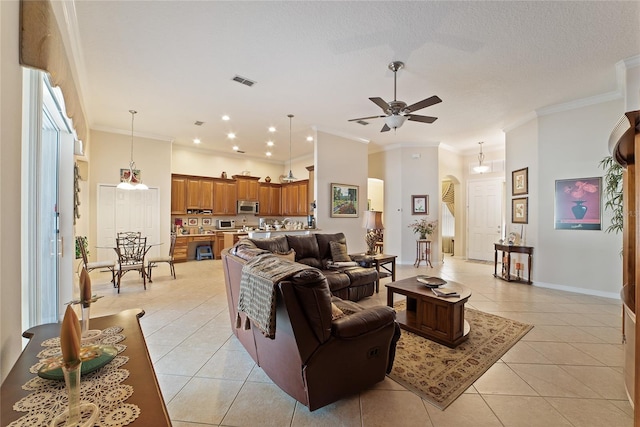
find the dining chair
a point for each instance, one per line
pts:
(131, 250)
(153, 261)
(89, 266)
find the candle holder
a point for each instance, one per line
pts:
(76, 414)
(518, 269)
(87, 334)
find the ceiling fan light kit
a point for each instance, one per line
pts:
(397, 112)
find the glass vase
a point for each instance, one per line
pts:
(84, 323)
(71, 374)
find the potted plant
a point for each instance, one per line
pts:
(613, 193)
(424, 227)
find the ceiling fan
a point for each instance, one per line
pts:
(397, 112)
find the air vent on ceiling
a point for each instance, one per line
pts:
(242, 80)
(362, 122)
(198, 123)
(240, 151)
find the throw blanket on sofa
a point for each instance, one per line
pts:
(257, 290)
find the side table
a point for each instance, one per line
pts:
(388, 265)
(423, 252)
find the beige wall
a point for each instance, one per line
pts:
(342, 161)
(10, 213)
(110, 152)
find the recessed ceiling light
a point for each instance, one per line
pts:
(268, 153)
(226, 118)
(196, 140)
(272, 129)
(269, 143)
(231, 135)
(309, 138)
(235, 148)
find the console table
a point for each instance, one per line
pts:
(506, 270)
(146, 396)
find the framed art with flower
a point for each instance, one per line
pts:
(420, 205)
(578, 204)
(520, 182)
(520, 210)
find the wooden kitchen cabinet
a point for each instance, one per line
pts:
(224, 197)
(206, 193)
(178, 195)
(269, 196)
(295, 198)
(193, 192)
(247, 187)
(180, 250)
(219, 245)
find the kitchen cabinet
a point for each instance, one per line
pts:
(206, 193)
(269, 197)
(178, 195)
(224, 197)
(219, 245)
(193, 192)
(180, 250)
(295, 198)
(247, 187)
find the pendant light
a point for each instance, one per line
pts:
(481, 168)
(289, 177)
(132, 182)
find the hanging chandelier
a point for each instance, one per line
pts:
(289, 177)
(131, 179)
(481, 168)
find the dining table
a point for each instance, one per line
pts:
(143, 403)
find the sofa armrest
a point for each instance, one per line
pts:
(361, 322)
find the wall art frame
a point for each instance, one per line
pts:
(344, 201)
(520, 210)
(578, 204)
(420, 205)
(520, 182)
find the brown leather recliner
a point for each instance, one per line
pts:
(313, 357)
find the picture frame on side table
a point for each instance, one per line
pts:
(344, 201)
(520, 182)
(192, 222)
(578, 204)
(520, 210)
(420, 205)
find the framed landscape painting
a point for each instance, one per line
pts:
(344, 201)
(578, 204)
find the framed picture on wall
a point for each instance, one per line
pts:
(344, 201)
(520, 210)
(124, 175)
(206, 221)
(420, 205)
(520, 182)
(192, 222)
(578, 204)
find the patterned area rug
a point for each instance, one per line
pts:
(439, 374)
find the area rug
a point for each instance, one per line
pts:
(440, 374)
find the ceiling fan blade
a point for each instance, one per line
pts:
(365, 118)
(385, 128)
(423, 119)
(380, 103)
(424, 103)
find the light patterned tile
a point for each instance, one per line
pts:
(260, 404)
(526, 411)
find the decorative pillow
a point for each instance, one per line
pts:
(336, 313)
(290, 256)
(339, 252)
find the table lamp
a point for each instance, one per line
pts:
(373, 224)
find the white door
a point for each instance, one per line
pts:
(127, 210)
(485, 217)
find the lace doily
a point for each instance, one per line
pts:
(103, 387)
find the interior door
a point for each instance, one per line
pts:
(484, 217)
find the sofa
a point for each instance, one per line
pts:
(322, 348)
(325, 252)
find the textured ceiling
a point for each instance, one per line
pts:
(492, 63)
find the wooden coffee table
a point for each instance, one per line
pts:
(435, 318)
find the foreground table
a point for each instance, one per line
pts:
(146, 396)
(436, 318)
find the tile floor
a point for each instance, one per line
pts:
(566, 372)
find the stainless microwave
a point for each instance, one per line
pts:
(248, 207)
(225, 224)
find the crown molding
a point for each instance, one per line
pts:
(128, 133)
(340, 134)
